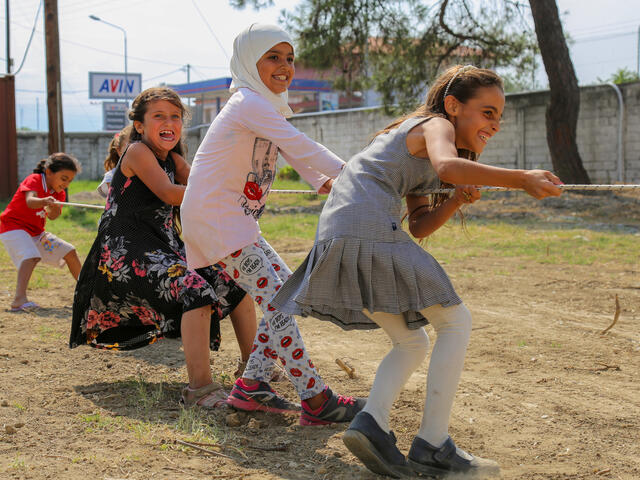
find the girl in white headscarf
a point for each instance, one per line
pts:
(230, 179)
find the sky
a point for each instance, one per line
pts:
(163, 36)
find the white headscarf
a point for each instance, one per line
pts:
(248, 47)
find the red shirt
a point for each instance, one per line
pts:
(18, 216)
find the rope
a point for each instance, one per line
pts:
(614, 188)
(84, 205)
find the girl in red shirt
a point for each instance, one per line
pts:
(22, 224)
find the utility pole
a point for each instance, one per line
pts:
(54, 93)
(6, 14)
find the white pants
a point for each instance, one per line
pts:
(410, 347)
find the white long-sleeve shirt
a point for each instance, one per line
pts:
(232, 173)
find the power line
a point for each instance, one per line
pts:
(26, 51)
(210, 29)
(594, 38)
(107, 52)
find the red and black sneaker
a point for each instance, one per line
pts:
(335, 409)
(259, 397)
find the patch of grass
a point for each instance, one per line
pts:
(300, 226)
(200, 426)
(18, 463)
(45, 333)
(542, 245)
(143, 396)
(19, 406)
(522, 343)
(78, 186)
(98, 422)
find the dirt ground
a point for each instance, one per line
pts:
(543, 391)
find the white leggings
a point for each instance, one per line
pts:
(410, 347)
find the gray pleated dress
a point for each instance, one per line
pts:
(361, 258)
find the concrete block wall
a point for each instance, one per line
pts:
(522, 142)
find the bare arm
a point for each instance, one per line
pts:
(48, 203)
(182, 168)
(439, 136)
(141, 162)
(423, 220)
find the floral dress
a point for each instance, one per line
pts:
(135, 284)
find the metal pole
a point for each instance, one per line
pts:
(126, 70)
(6, 8)
(620, 163)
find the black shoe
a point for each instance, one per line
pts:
(375, 448)
(426, 459)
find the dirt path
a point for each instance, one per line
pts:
(543, 393)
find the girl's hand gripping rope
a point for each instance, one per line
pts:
(466, 194)
(541, 183)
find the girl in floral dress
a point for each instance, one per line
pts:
(135, 285)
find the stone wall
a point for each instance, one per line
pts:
(520, 144)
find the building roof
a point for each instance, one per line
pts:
(195, 89)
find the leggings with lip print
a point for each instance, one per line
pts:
(260, 272)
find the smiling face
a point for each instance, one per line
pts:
(161, 128)
(276, 67)
(60, 180)
(477, 120)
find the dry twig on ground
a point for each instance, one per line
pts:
(615, 317)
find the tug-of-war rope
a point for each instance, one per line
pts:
(498, 189)
(614, 188)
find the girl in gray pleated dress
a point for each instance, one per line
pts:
(364, 271)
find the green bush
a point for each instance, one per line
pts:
(288, 173)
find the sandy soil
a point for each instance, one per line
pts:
(543, 392)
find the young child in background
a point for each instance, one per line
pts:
(22, 224)
(230, 179)
(117, 146)
(135, 284)
(365, 272)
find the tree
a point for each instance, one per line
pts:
(622, 75)
(399, 46)
(564, 105)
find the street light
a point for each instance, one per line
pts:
(126, 76)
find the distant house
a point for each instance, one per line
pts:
(309, 92)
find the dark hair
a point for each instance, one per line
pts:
(459, 81)
(141, 103)
(58, 161)
(116, 144)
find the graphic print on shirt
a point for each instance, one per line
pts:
(260, 178)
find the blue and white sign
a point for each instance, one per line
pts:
(114, 85)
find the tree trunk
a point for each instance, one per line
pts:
(562, 112)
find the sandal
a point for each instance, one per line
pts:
(25, 307)
(210, 396)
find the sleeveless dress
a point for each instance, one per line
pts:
(135, 284)
(361, 257)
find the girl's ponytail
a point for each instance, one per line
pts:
(58, 161)
(40, 167)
